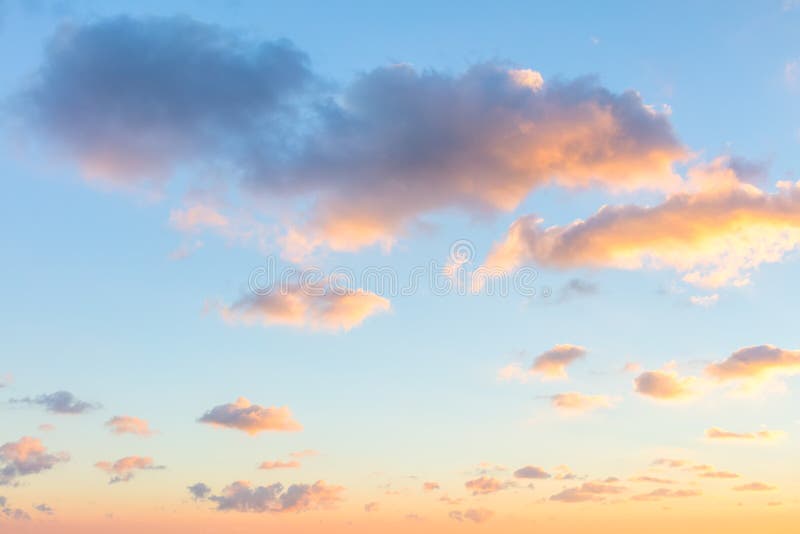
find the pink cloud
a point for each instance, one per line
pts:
(251, 418)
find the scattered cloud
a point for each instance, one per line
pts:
(322, 310)
(372, 507)
(716, 474)
(269, 465)
(588, 491)
(26, 456)
(664, 493)
(704, 301)
(753, 365)
(61, 402)
(476, 515)
(199, 491)
(755, 486)
(531, 471)
(15, 514)
(241, 496)
(126, 424)
(651, 480)
(665, 384)
(123, 470)
(574, 402)
(485, 485)
(577, 287)
(716, 433)
(251, 418)
(306, 453)
(44, 508)
(430, 486)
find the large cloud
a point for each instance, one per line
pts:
(124, 469)
(251, 418)
(754, 364)
(129, 98)
(26, 456)
(242, 497)
(134, 98)
(295, 306)
(62, 402)
(715, 236)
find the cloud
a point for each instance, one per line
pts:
(753, 365)
(44, 508)
(531, 471)
(664, 493)
(125, 424)
(430, 486)
(268, 465)
(485, 485)
(554, 362)
(325, 310)
(242, 497)
(199, 491)
(161, 111)
(705, 301)
(372, 507)
(755, 486)
(760, 435)
(652, 480)
(574, 402)
(577, 287)
(251, 418)
(476, 515)
(123, 470)
(372, 159)
(588, 491)
(670, 462)
(26, 456)
(716, 474)
(665, 384)
(716, 236)
(15, 514)
(304, 453)
(62, 402)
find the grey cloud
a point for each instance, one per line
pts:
(242, 497)
(62, 402)
(199, 491)
(26, 456)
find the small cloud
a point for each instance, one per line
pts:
(430, 486)
(716, 433)
(476, 515)
(251, 418)
(755, 486)
(242, 497)
(44, 508)
(485, 485)
(665, 384)
(26, 456)
(531, 471)
(632, 367)
(61, 402)
(574, 402)
(706, 473)
(372, 507)
(14, 514)
(589, 491)
(292, 464)
(552, 364)
(307, 453)
(46, 427)
(123, 469)
(125, 424)
(199, 491)
(670, 462)
(705, 301)
(664, 493)
(651, 480)
(754, 365)
(577, 287)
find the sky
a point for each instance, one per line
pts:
(356, 266)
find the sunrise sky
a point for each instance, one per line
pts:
(312, 267)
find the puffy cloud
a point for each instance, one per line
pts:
(26, 456)
(126, 424)
(752, 365)
(760, 435)
(574, 402)
(269, 465)
(251, 418)
(589, 491)
(119, 96)
(485, 485)
(755, 486)
(553, 363)
(664, 493)
(665, 384)
(294, 306)
(531, 471)
(395, 144)
(714, 237)
(476, 515)
(242, 497)
(430, 486)
(199, 491)
(62, 402)
(124, 469)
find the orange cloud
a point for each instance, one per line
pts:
(761, 435)
(665, 385)
(430, 486)
(664, 493)
(26, 456)
(251, 418)
(717, 474)
(755, 364)
(485, 485)
(589, 491)
(123, 469)
(294, 306)
(476, 515)
(268, 465)
(553, 363)
(125, 424)
(755, 486)
(574, 402)
(651, 480)
(714, 237)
